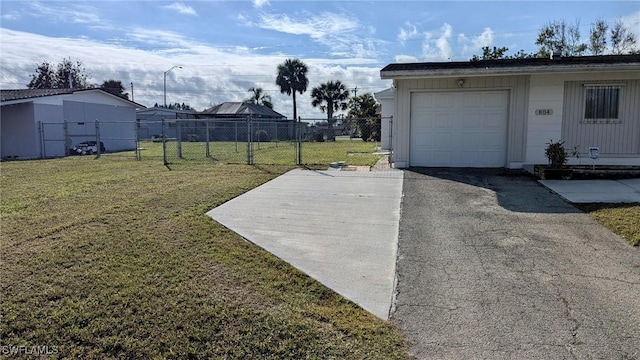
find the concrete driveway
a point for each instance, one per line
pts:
(494, 266)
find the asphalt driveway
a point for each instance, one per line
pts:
(493, 265)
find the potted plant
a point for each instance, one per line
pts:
(558, 156)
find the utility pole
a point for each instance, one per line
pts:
(132, 91)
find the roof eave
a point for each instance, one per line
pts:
(520, 70)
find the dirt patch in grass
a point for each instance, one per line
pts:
(622, 219)
(117, 259)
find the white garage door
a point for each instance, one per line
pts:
(459, 129)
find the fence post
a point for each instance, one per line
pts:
(249, 147)
(98, 139)
(299, 132)
(164, 145)
(41, 135)
(235, 123)
(138, 153)
(67, 140)
(391, 139)
(207, 145)
(179, 139)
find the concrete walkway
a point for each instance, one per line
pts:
(596, 191)
(339, 227)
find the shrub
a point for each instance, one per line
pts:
(556, 153)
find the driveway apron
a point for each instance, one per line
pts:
(493, 265)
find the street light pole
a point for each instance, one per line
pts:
(165, 83)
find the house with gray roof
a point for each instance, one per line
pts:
(503, 113)
(42, 123)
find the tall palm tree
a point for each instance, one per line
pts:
(292, 78)
(331, 96)
(259, 97)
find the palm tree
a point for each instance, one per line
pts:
(292, 78)
(331, 96)
(259, 97)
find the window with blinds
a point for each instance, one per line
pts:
(602, 103)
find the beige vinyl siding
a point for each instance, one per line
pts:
(518, 103)
(621, 137)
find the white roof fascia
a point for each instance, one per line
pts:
(522, 70)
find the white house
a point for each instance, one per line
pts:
(502, 113)
(39, 123)
(386, 98)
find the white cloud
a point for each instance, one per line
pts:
(471, 45)
(181, 8)
(411, 33)
(342, 34)
(75, 13)
(438, 49)
(209, 75)
(260, 3)
(632, 23)
(405, 59)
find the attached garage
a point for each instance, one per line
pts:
(504, 112)
(459, 128)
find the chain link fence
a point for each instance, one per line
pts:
(243, 140)
(284, 142)
(99, 138)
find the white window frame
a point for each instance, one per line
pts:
(608, 116)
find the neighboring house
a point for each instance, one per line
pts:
(502, 113)
(227, 121)
(387, 103)
(39, 123)
(150, 121)
(241, 110)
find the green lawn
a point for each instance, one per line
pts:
(115, 258)
(622, 219)
(354, 152)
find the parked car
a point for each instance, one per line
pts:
(158, 138)
(88, 148)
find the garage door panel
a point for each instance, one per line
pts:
(456, 129)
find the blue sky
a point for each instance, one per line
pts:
(226, 47)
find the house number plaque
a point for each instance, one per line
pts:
(544, 111)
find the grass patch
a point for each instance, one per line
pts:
(622, 219)
(354, 152)
(117, 259)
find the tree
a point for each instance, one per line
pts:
(259, 97)
(115, 87)
(598, 37)
(499, 53)
(622, 40)
(330, 96)
(67, 75)
(364, 109)
(491, 54)
(292, 78)
(558, 37)
(44, 78)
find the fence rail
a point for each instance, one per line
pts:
(256, 141)
(244, 140)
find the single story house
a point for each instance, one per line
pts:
(42, 123)
(227, 122)
(502, 113)
(150, 121)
